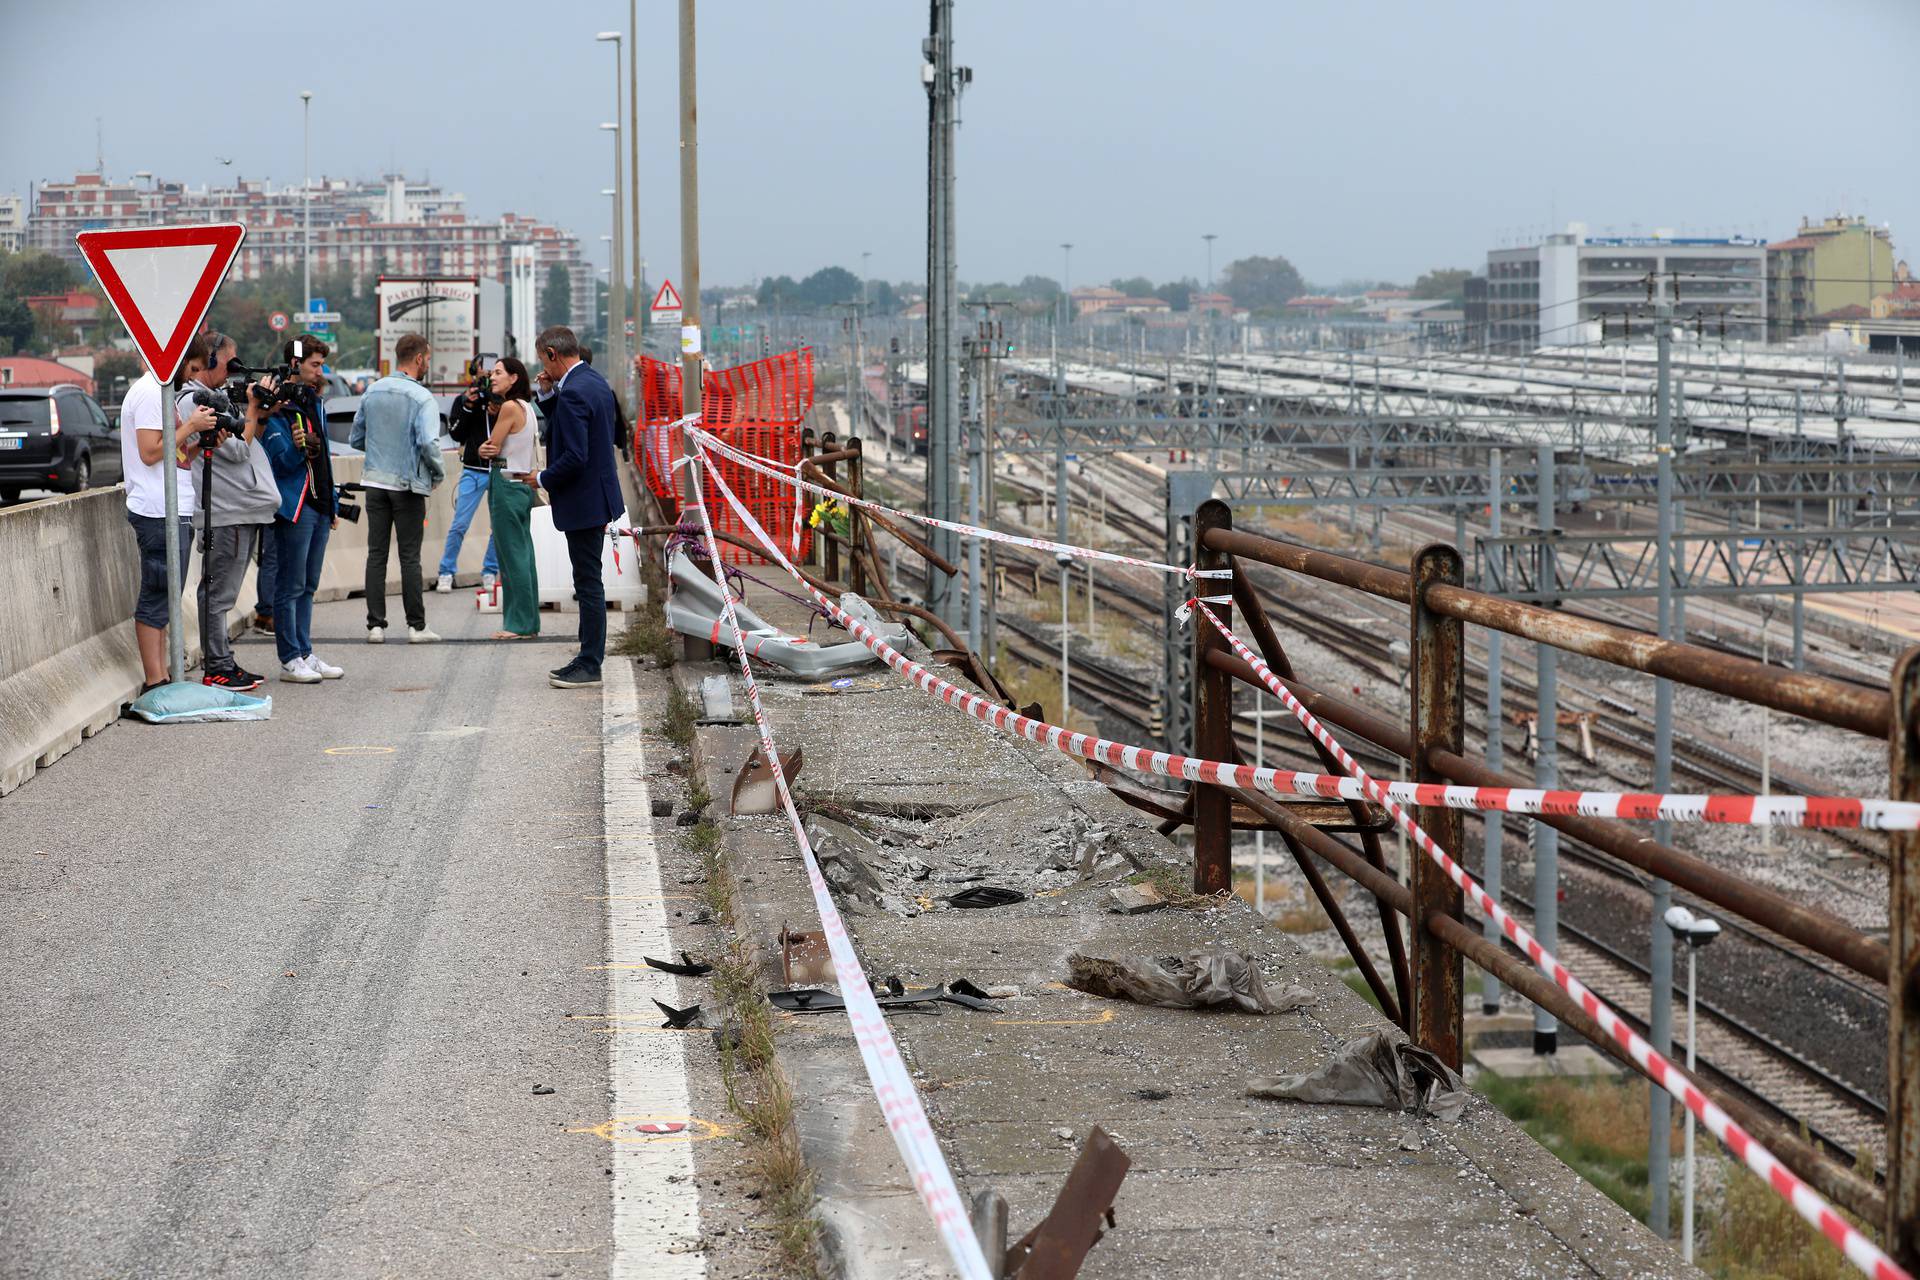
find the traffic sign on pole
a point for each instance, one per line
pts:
(161, 282)
(277, 321)
(666, 305)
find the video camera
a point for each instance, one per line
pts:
(480, 377)
(346, 507)
(225, 417)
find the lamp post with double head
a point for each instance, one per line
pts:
(1696, 932)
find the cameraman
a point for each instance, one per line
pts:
(144, 453)
(469, 426)
(296, 445)
(238, 501)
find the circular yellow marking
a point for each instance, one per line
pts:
(1105, 1015)
(360, 751)
(658, 1129)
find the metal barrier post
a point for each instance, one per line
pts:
(810, 445)
(1212, 718)
(824, 536)
(857, 566)
(1439, 717)
(1903, 975)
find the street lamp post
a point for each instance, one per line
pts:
(306, 204)
(1065, 562)
(617, 369)
(1696, 932)
(1066, 286)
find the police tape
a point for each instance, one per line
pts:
(892, 1086)
(1806, 1202)
(780, 471)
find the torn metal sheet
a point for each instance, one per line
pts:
(1196, 980)
(694, 609)
(1376, 1070)
(754, 791)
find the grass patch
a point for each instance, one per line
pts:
(680, 718)
(1174, 884)
(1757, 1236)
(647, 636)
(1598, 1127)
(758, 1091)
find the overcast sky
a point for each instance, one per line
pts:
(1370, 138)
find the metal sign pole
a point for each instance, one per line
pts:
(170, 482)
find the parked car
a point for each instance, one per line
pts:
(340, 411)
(55, 438)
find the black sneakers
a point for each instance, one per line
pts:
(575, 675)
(235, 678)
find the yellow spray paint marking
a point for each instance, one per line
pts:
(658, 1129)
(360, 751)
(1105, 1015)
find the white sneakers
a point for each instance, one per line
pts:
(326, 669)
(298, 672)
(376, 635)
(445, 585)
(487, 580)
(422, 635)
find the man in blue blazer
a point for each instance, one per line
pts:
(582, 485)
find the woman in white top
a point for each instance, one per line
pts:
(510, 498)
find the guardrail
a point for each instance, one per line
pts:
(1426, 996)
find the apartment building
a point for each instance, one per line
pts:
(1837, 263)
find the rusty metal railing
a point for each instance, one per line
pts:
(1427, 994)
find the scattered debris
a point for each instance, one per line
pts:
(985, 895)
(687, 968)
(542, 1090)
(716, 700)
(1065, 1135)
(804, 957)
(682, 1019)
(1195, 980)
(1375, 1070)
(1003, 991)
(807, 1000)
(687, 818)
(1134, 899)
(1153, 1095)
(662, 808)
(754, 791)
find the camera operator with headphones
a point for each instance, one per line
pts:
(236, 500)
(296, 444)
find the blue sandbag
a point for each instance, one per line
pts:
(184, 703)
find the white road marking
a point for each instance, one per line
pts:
(656, 1208)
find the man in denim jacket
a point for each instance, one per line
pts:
(398, 425)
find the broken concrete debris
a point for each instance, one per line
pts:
(1193, 981)
(1134, 899)
(1375, 1070)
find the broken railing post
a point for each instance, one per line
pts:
(824, 535)
(1055, 1249)
(809, 445)
(1903, 974)
(1212, 716)
(1438, 723)
(856, 567)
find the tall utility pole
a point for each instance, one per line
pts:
(306, 206)
(1213, 354)
(944, 82)
(636, 297)
(1660, 1025)
(1066, 288)
(689, 231)
(616, 275)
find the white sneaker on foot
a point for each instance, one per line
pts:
(326, 669)
(487, 580)
(376, 635)
(298, 672)
(422, 635)
(445, 585)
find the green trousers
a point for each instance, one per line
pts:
(510, 505)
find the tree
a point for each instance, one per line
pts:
(1443, 282)
(1261, 284)
(16, 326)
(1037, 289)
(1176, 293)
(1134, 287)
(556, 299)
(828, 287)
(776, 292)
(33, 273)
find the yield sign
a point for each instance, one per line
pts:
(668, 299)
(161, 281)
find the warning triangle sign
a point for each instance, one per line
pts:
(161, 281)
(668, 299)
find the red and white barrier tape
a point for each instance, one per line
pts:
(780, 471)
(899, 1100)
(1807, 1202)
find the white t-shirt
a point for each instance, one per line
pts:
(146, 485)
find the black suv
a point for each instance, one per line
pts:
(54, 438)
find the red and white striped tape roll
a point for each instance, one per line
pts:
(1808, 1203)
(787, 473)
(892, 1086)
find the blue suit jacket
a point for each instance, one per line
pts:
(580, 479)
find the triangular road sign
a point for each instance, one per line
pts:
(668, 299)
(161, 281)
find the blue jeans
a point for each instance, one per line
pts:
(267, 582)
(473, 489)
(302, 549)
(584, 547)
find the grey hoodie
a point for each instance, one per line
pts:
(243, 489)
